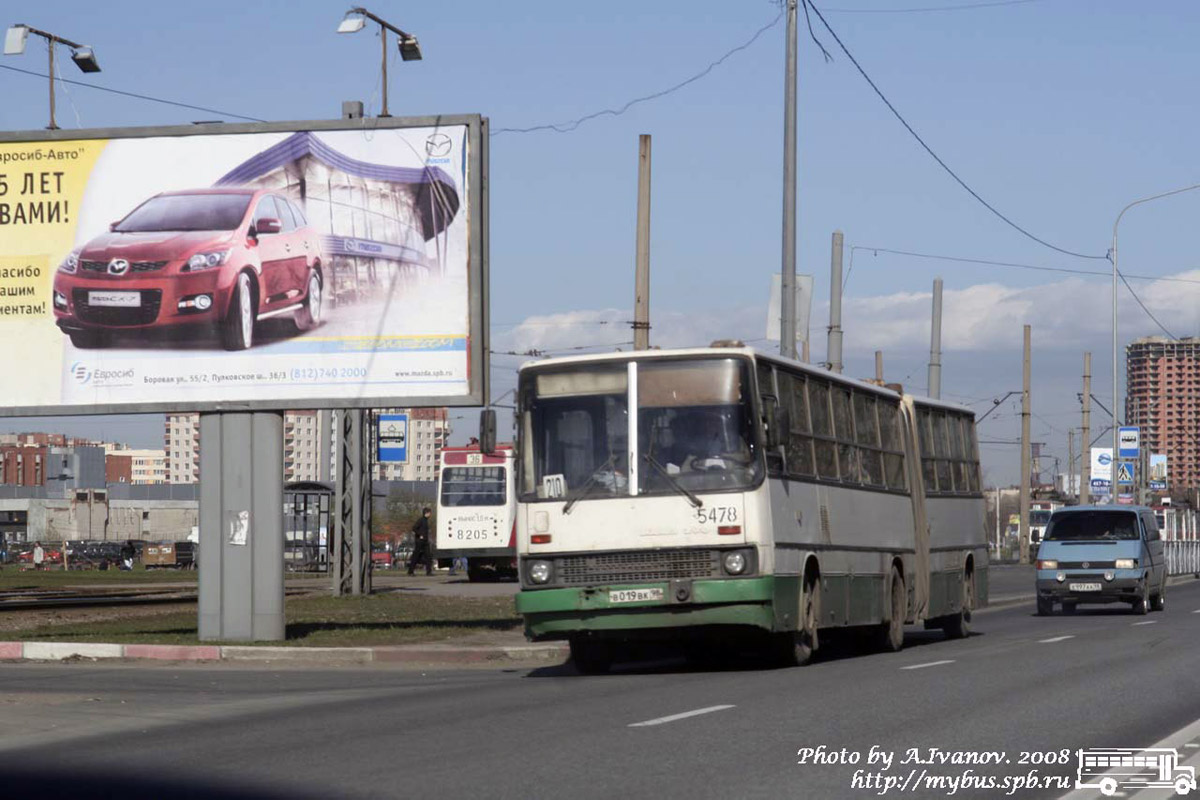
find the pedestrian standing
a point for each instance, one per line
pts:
(459, 562)
(421, 553)
(39, 555)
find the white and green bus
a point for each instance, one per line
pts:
(715, 491)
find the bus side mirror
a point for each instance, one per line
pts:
(487, 431)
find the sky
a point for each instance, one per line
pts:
(1057, 113)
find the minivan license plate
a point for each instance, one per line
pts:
(1084, 587)
(634, 595)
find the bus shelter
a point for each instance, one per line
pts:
(307, 522)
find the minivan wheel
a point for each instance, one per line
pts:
(237, 332)
(1142, 604)
(1158, 602)
(1045, 607)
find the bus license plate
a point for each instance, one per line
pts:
(634, 595)
(1084, 587)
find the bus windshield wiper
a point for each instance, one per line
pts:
(674, 484)
(589, 484)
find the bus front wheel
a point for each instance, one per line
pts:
(1108, 787)
(796, 648)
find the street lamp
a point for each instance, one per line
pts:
(1113, 258)
(83, 55)
(410, 50)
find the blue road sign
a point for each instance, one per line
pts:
(1127, 441)
(393, 438)
(1125, 474)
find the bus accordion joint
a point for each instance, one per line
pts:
(539, 538)
(729, 530)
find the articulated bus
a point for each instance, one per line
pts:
(476, 511)
(717, 491)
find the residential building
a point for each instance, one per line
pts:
(1163, 399)
(181, 446)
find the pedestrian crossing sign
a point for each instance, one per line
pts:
(1125, 473)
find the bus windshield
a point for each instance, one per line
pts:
(694, 429)
(473, 486)
(1092, 526)
(1039, 517)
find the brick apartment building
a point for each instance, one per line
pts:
(1163, 398)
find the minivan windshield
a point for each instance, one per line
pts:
(186, 212)
(1092, 526)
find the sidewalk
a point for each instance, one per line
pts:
(462, 652)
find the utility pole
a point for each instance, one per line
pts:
(879, 367)
(641, 296)
(835, 304)
(1085, 458)
(935, 343)
(787, 336)
(1025, 450)
(1071, 488)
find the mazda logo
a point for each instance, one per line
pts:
(118, 266)
(437, 145)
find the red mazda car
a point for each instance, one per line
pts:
(222, 258)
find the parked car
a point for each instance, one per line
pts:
(221, 258)
(1101, 554)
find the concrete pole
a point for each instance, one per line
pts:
(1071, 487)
(835, 304)
(879, 366)
(999, 532)
(787, 334)
(804, 353)
(383, 42)
(641, 294)
(1025, 450)
(935, 343)
(1085, 471)
(53, 124)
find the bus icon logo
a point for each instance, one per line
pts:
(1131, 768)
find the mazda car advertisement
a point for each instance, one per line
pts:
(339, 264)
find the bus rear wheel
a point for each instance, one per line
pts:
(891, 632)
(590, 656)
(958, 626)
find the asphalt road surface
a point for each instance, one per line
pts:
(1023, 684)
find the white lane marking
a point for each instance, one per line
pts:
(1192, 745)
(1197, 611)
(1147, 622)
(930, 664)
(1056, 639)
(675, 717)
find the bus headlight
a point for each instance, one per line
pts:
(539, 571)
(1126, 563)
(734, 562)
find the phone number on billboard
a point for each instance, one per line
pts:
(328, 373)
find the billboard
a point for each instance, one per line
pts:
(235, 267)
(1158, 472)
(1101, 466)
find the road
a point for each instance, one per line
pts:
(1102, 678)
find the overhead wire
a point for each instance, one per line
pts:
(934, 155)
(931, 9)
(571, 125)
(135, 95)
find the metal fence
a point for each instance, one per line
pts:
(1183, 557)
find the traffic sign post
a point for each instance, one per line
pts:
(1128, 439)
(393, 438)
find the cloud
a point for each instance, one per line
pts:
(1073, 314)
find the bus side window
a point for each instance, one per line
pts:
(941, 451)
(766, 389)
(822, 427)
(848, 456)
(925, 440)
(799, 443)
(889, 437)
(866, 429)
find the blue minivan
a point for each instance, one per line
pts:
(1101, 554)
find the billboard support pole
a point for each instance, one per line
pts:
(352, 506)
(641, 299)
(835, 304)
(241, 526)
(1085, 483)
(935, 343)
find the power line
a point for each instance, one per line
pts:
(134, 94)
(1037, 268)
(928, 9)
(1143, 305)
(934, 155)
(567, 127)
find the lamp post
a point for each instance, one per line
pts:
(82, 55)
(1113, 258)
(410, 50)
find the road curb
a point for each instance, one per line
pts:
(425, 654)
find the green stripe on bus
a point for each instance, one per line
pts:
(559, 624)
(704, 592)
